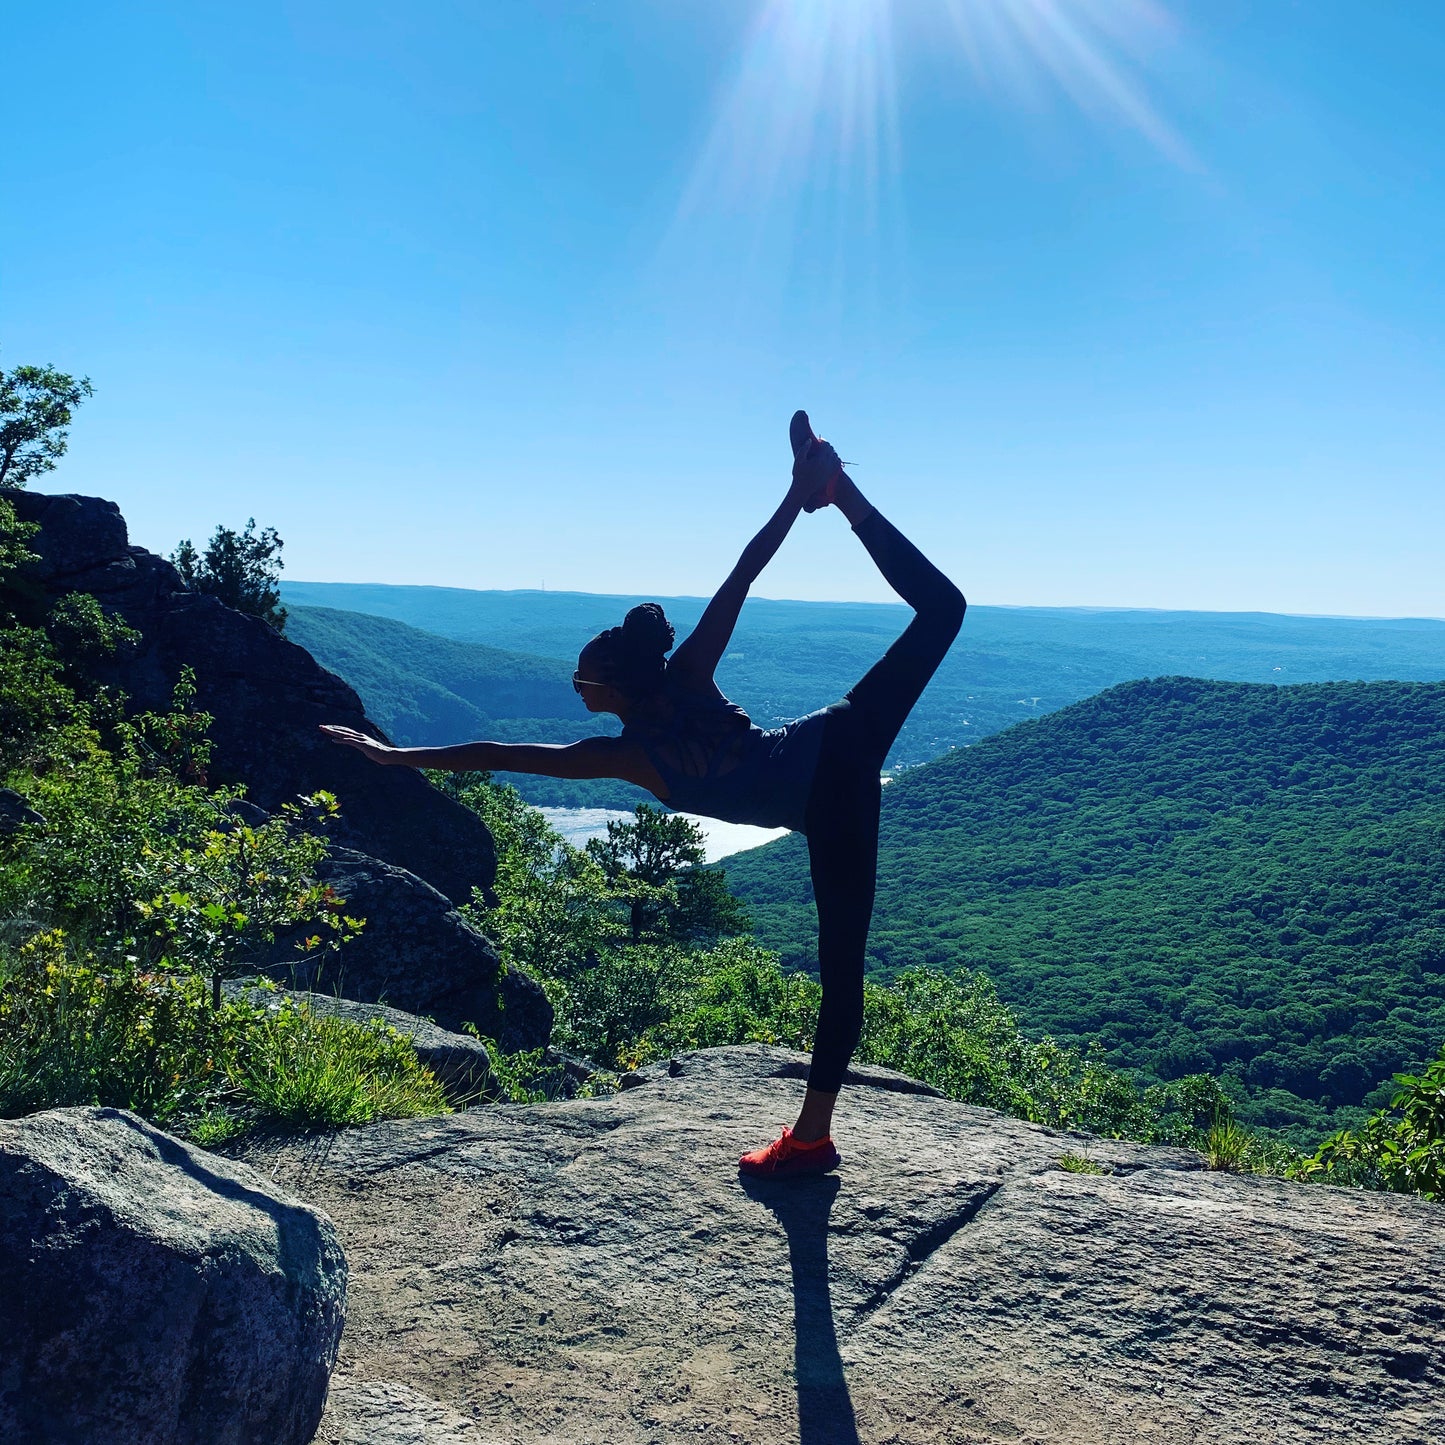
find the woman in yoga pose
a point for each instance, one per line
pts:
(697, 752)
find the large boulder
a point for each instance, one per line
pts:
(267, 695)
(153, 1294)
(415, 953)
(596, 1270)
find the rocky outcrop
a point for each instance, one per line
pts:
(152, 1294)
(595, 1270)
(267, 695)
(415, 953)
(459, 1061)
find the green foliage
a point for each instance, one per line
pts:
(82, 634)
(74, 1033)
(302, 1068)
(654, 864)
(558, 905)
(33, 699)
(1081, 1164)
(242, 569)
(536, 1076)
(731, 993)
(608, 1007)
(36, 405)
(1226, 1144)
(240, 885)
(1204, 877)
(15, 555)
(1400, 1148)
(35, 704)
(133, 889)
(149, 866)
(554, 906)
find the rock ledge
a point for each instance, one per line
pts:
(595, 1270)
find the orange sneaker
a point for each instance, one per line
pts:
(786, 1155)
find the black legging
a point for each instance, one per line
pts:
(842, 812)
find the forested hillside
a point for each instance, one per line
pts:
(1202, 875)
(426, 690)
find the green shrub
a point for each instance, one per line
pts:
(1401, 1148)
(1225, 1144)
(72, 1034)
(734, 993)
(297, 1067)
(528, 1076)
(1081, 1164)
(242, 568)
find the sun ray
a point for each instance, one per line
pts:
(799, 180)
(1082, 46)
(812, 100)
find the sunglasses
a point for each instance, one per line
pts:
(579, 682)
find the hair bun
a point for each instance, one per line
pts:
(646, 632)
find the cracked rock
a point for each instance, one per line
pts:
(597, 1270)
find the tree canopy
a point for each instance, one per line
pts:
(36, 404)
(241, 569)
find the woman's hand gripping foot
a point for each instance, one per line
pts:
(816, 466)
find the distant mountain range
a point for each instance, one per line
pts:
(790, 657)
(1203, 876)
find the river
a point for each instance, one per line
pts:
(721, 840)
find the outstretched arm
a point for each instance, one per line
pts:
(589, 758)
(698, 655)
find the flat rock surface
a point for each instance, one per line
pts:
(596, 1271)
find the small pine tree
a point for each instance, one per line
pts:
(656, 864)
(242, 569)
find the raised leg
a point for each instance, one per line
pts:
(885, 695)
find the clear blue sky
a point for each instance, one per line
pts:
(1112, 303)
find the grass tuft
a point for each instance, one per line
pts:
(1082, 1164)
(309, 1069)
(72, 1033)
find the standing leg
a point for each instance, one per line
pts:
(843, 859)
(842, 821)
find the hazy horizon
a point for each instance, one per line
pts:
(762, 596)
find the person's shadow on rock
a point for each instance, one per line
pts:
(825, 1409)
